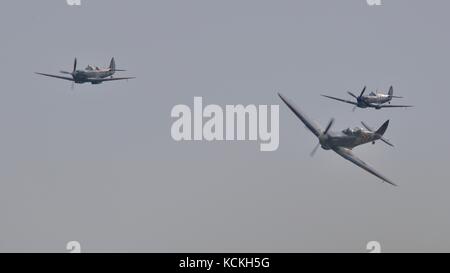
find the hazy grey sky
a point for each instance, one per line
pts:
(98, 164)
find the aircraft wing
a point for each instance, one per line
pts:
(108, 79)
(310, 124)
(346, 101)
(394, 106)
(56, 76)
(347, 154)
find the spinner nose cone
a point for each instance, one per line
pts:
(324, 141)
(323, 138)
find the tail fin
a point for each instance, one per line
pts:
(112, 65)
(380, 132)
(391, 92)
(383, 128)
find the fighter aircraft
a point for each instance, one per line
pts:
(91, 74)
(343, 142)
(373, 100)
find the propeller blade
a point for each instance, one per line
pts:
(353, 95)
(65, 72)
(74, 66)
(314, 150)
(329, 126)
(362, 92)
(72, 86)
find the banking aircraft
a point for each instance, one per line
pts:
(343, 142)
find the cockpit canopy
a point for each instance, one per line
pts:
(372, 94)
(92, 68)
(352, 132)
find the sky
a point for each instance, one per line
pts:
(98, 165)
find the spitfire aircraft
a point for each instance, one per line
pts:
(343, 142)
(91, 74)
(373, 100)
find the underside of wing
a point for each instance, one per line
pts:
(56, 76)
(347, 154)
(108, 79)
(338, 99)
(310, 124)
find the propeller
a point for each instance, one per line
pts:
(73, 71)
(328, 126)
(363, 91)
(358, 99)
(74, 66)
(360, 96)
(353, 95)
(323, 136)
(315, 150)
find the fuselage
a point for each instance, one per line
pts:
(348, 138)
(82, 76)
(377, 98)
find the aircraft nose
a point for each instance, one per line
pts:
(323, 139)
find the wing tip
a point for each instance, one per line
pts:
(283, 98)
(392, 183)
(388, 181)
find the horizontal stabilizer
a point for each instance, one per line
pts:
(381, 137)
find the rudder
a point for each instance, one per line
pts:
(112, 65)
(391, 91)
(383, 128)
